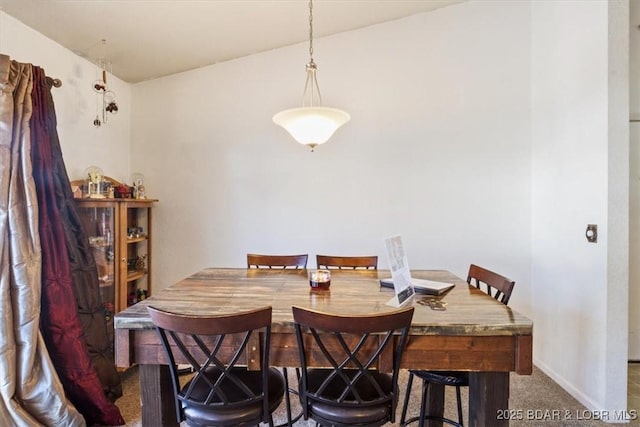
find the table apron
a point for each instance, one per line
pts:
(501, 353)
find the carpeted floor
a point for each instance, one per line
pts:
(536, 400)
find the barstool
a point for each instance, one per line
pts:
(455, 379)
(498, 287)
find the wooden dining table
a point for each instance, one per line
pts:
(474, 333)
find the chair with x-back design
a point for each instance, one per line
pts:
(223, 390)
(352, 391)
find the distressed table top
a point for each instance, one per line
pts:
(469, 312)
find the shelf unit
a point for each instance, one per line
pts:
(119, 233)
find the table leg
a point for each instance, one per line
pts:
(156, 396)
(435, 403)
(488, 396)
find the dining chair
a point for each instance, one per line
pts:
(286, 262)
(496, 286)
(221, 391)
(351, 391)
(347, 262)
(277, 261)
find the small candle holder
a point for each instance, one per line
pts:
(319, 279)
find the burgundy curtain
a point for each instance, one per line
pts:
(69, 290)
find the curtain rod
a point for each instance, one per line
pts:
(54, 82)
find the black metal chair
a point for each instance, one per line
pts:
(351, 391)
(221, 391)
(498, 287)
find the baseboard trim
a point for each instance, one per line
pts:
(585, 400)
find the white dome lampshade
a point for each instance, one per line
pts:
(311, 126)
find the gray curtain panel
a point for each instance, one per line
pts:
(30, 391)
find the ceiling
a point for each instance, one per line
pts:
(146, 39)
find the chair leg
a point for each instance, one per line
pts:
(459, 405)
(287, 398)
(423, 403)
(407, 395)
(291, 420)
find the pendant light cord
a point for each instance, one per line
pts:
(311, 30)
(311, 88)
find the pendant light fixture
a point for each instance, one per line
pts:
(312, 124)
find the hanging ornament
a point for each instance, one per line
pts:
(106, 98)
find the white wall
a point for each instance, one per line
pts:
(580, 175)
(634, 60)
(634, 184)
(82, 144)
(438, 149)
(634, 243)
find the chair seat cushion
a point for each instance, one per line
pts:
(370, 410)
(198, 413)
(453, 378)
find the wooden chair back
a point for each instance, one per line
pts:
(496, 285)
(352, 389)
(222, 390)
(277, 261)
(347, 262)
